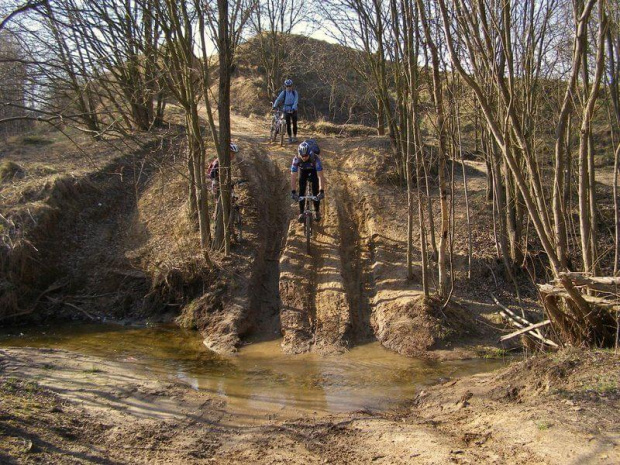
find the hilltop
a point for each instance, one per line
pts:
(326, 91)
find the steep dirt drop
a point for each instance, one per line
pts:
(247, 305)
(324, 295)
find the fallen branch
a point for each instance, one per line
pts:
(583, 280)
(522, 323)
(69, 304)
(54, 287)
(525, 330)
(551, 289)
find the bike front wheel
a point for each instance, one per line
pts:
(238, 224)
(308, 232)
(273, 133)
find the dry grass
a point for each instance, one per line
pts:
(345, 130)
(10, 170)
(45, 177)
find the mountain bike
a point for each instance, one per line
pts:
(235, 220)
(309, 215)
(278, 126)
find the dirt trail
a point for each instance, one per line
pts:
(324, 294)
(396, 301)
(333, 312)
(58, 407)
(353, 288)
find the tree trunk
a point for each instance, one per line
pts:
(225, 58)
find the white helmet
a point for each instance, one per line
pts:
(302, 150)
(234, 148)
(288, 83)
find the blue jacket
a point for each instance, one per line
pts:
(289, 98)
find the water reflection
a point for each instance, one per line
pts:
(260, 377)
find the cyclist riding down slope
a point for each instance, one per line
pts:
(307, 167)
(289, 98)
(213, 171)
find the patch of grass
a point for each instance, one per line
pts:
(603, 384)
(10, 170)
(543, 425)
(11, 384)
(31, 387)
(325, 127)
(14, 385)
(606, 159)
(492, 352)
(92, 370)
(36, 140)
(43, 170)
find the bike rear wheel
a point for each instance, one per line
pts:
(274, 132)
(238, 224)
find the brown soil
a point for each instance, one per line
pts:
(126, 249)
(60, 407)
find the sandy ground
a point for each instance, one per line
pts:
(61, 407)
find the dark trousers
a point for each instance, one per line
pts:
(292, 116)
(304, 177)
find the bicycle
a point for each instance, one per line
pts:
(278, 126)
(309, 215)
(235, 220)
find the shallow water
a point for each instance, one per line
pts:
(260, 378)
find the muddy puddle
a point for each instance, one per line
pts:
(260, 378)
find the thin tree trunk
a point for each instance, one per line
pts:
(422, 224)
(443, 192)
(429, 201)
(225, 56)
(616, 211)
(410, 200)
(465, 189)
(586, 189)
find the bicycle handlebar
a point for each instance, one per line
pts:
(311, 197)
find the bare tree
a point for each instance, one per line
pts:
(13, 82)
(442, 152)
(613, 78)
(19, 9)
(364, 24)
(273, 21)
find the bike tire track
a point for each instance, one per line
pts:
(297, 278)
(297, 283)
(356, 259)
(333, 311)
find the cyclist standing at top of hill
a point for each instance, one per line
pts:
(289, 98)
(307, 167)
